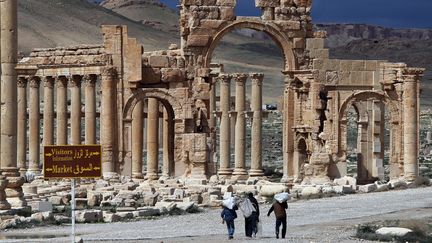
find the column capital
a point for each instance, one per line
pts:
(257, 78)
(34, 82)
(62, 81)
(224, 78)
(49, 82)
(75, 81)
(412, 74)
(22, 82)
(89, 80)
(240, 78)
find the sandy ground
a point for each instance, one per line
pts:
(321, 220)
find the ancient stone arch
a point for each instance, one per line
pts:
(278, 36)
(162, 95)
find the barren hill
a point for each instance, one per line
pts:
(49, 23)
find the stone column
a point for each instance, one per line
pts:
(90, 109)
(8, 147)
(137, 140)
(225, 130)
(107, 121)
(62, 112)
(410, 123)
(256, 144)
(22, 125)
(34, 126)
(240, 127)
(152, 139)
(363, 174)
(212, 106)
(288, 123)
(75, 84)
(48, 117)
(166, 168)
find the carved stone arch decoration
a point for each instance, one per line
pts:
(278, 36)
(162, 95)
(370, 95)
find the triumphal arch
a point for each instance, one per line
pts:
(130, 101)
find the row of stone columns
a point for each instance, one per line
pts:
(153, 128)
(240, 171)
(34, 123)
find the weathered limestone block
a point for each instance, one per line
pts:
(270, 190)
(346, 189)
(311, 192)
(346, 180)
(41, 206)
(125, 215)
(382, 187)
(94, 198)
(267, 3)
(55, 200)
(169, 206)
(89, 216)
(227, 3)
(198, 40)
(393, 231)
(41, 217)
(81, 203)
(398, 184)
(367, 188)
(179, 193)
(147, 212)
(186, 206)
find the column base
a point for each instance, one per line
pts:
(111, 176)
(137, 176)
(287, 179)
(13, 191)
(4, 205)
(225, 172)
(152, 177)
(256, 173)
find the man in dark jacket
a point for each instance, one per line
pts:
(281, 217)
(228, 216)
(251, 222)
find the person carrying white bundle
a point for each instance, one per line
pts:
(279, 207)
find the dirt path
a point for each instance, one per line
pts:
(322, 220)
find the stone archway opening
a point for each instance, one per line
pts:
(267, 59)
(149, 137)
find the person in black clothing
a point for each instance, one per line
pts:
(251, 223)
(281, 217)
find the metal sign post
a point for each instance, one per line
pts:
(72, 161)
(73, 208)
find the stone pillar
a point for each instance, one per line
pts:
(90, 109)
(75, 84)
(166, 167)
(256, 144)
(240, 127)
(48, 117)
(8, 147)
(107, 121)
(137, 140)
(22, 125)
(288, 123)
(225, 130)
(378, 139)
(410, 123)
(152, 139)
(34, 126)
(212, 106)
(62, 112)
(363, 174)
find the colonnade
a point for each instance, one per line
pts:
(149, 135)
(53, 117)
(239, 171)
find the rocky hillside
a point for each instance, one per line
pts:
(49, 23)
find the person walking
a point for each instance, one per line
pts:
(279, 209)
(251, 222)
(228, 216)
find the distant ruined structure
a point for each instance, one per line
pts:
(123, 97)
